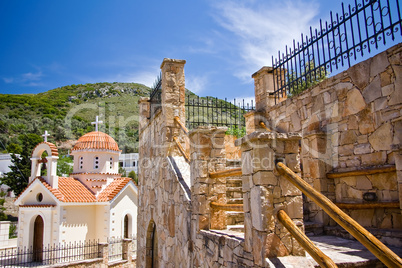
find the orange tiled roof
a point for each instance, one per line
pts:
(72, 190)
(53, 148)
(37, 206)
(113, 189)
(96, 140)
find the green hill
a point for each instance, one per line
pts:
(67, 112)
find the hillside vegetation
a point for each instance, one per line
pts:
(67, 112)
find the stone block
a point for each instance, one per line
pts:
(373, 90)
(381, 139)
(345, 150)
(373, 159)
(348, 137)
(359, 74)
(396, 96)
(354, 103)
(274, 247)
(379, 64)
(288, 189)
(261, 206)
(246, 159)
(363, 183)
(294, 207)
(264, 178)
(247, 182)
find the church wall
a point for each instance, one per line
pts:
(89, 162)
(26, 219)
(102, 222)
(125, 203)
(78, 223)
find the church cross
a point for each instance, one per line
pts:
(97, 123)
(45, 136)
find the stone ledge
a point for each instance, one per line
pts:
(258, 135)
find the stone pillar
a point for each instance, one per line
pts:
(144, 112)
(253, 120)
(315, 159)
(207, 155)
(263, 85)
(104, 254)
(127, 244)
(265, 192)
(35, 168)
(173, 100)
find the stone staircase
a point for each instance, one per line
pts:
(234, 195)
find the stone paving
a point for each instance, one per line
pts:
(344, 252)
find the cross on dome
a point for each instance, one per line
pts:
(97, 123)
(45, 136)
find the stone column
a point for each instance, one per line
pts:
(253, 120)
(173, 100)
(52, 177)
(315, 168)
(144, 112)
(265, 192)
(127, 244)
(207, 155)
(104, 254)
(263, 85)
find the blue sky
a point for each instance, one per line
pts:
(46, 44)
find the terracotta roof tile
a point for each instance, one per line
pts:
(74, 191)
(96, 140)
(113, 189)
(37, 206)
(53, 148)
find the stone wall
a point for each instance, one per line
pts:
(164, 198)
(351, 121)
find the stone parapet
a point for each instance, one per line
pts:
(207, 152)
(265, 192)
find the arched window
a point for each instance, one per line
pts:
(126, 221)
(81, 162)
(96, 162)
(111, 163)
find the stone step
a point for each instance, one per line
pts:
(235, 201)
(235, 217)
(236, 227)
(313, 228)
(344, 252)
(234, 189)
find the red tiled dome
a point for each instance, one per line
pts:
(96, 140)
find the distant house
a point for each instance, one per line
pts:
(5, 163)
(129, 162)
(95, 202)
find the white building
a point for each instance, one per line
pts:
(129, 162)
(95, 202)
(5, 162)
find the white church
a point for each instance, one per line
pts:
(95, 202)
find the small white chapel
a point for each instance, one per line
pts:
(93, 203)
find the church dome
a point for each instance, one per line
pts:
(96, 140)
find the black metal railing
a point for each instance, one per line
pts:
(203, 111)
(49, 255)
(156, 95)
(342, 41)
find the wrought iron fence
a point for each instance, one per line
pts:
(52, 254)
(344, 40)
(156, 95)
(201, 111)
(115, 249)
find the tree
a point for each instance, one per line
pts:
(17, 178)
(64, 166)
(133, 176)
(3, 216)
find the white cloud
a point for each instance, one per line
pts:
(196, 84)
(32, 76)
(261, 28)
(8, 80)
(29, 79)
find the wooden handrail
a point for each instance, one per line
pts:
(361, 172)
(225, 173)
(181, 149)
(182, 126)
(368, 205)
(227, 207)
(319, 256)
(262, 124)
(383, 253)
